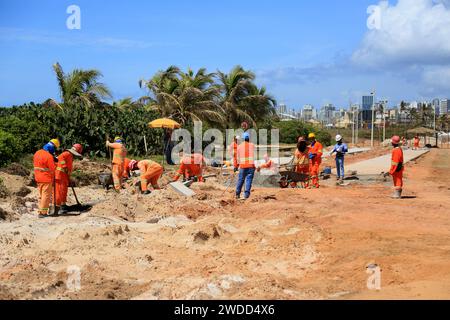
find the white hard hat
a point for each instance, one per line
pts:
(237, 137)
(338, 138)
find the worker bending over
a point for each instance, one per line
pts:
(150, 170)
(268, 165)
(315, 157)
(44, 174)
(126, 169)
(397, 169)
(246, 162)
(191, 167)
(301, 162)
(64, 169)
(119, 155)
(340, 149)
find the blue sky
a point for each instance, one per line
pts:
(303, 51)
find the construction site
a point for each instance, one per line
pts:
(282, 243)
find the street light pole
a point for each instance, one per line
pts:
(373, 118)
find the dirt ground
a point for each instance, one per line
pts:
(281, 244)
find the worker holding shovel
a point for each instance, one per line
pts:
(119, 155)
(64, 169)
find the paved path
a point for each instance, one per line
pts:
(376, 166)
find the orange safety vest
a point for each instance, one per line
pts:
(317, 149)
(65, 165)
(246, 155)
(397, 160)
(44, 167)
(301, 159)
(119, 153)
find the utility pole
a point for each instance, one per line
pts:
(434, 126)
(373, 118)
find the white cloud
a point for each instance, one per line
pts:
(411, 32)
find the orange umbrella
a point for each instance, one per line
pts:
(164, 123)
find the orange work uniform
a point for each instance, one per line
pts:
(416, 143)
(301, 161)
(62, 176)
(397, 168)
(314, 163)
(44, 174)
(191, 166)
(151, 171)
(119, 155)
(233, 153)
(270, 165)
(126, 168)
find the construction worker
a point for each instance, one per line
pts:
(416, 142)
(232, 149)
(64, 169)
(191, 167)
(340, 149)
(268, 165)
(404, 142)
(150, 170)
(44, 174)
(246, 162)
(315, 157)
(301, 161)
(119, 155)
(397, 169)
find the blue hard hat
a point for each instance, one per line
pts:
(246, 136)
(50, 148)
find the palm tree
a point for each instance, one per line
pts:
(235, 87)
(184, 96)
(126, 103)
(258, 104)
(79, 88)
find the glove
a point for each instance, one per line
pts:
(311, 155)
(107, 143)
(72, 183)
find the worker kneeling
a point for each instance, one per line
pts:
(150, 170)
(191, 167)
(63, 171)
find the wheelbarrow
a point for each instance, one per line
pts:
(289, 176)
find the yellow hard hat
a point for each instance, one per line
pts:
(118, 138)
(56, 143)
(311, 135)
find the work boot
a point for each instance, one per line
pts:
(397, 194)
(146, 192)
(56, 211)
(64, 209)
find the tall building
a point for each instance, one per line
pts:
(437, 106)
(326, 115)
(308, 112)
(444, 107)
(367, 104)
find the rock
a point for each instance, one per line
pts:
(86, 236)
(23, 192)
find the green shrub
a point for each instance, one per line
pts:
(291, 130)
(10, 148)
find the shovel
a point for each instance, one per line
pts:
(79, 207)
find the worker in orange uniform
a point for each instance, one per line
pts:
(267, 165)
(44, 174)
(301, 162)
(150, 170)
(232, 149)
(64, 169)
(191, 167)
(246, 162)
(397, 169)
(126, 169)
(119, 155)
(416, 143)
(315, 157)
